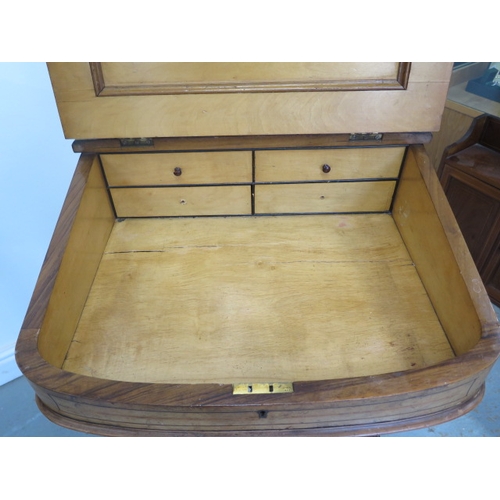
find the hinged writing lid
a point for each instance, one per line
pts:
(120, 100)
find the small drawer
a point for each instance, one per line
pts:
(324, 197)
(182, 201)
(163, 169)
(328, 164)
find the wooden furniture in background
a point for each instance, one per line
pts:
(268, 252)
(470, 175)
(461, 109)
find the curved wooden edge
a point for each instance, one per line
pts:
(468, 369)
(50, 378)
(52, 383)
(402, 425)
(471, 137)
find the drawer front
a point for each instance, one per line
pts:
(335, 197)
(178, 168)
(308, 165)
(182, 201)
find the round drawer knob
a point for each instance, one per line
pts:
(177, 171)
(326, 168)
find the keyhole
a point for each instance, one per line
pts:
(262, 413)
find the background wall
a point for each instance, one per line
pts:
(36, 166)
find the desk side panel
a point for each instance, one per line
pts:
(71, 262)
(435, 243)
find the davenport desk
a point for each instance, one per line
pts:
(255, 249)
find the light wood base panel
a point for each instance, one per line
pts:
(251, 299)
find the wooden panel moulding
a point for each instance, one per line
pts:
(116, 79)
(86, 116)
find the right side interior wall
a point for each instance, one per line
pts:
(426, 224)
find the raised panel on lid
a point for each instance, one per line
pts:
(123, 100)
(324, 197)
(173, 78)
(307, 165)
(178, 168)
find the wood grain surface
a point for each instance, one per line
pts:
(406, 251)
(225, 167)
(348, 163)
(209, 77)
(334, 197)
(141, 326)
(235, 300)
(444, 263)
(210, 143)
(182, 201)
(84, 116)
(86, 235)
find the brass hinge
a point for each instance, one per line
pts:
(137, 141)
(259, 388)
(374, 136)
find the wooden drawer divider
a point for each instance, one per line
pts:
(154, 192)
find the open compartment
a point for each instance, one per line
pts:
(153, 311)
(255, 249)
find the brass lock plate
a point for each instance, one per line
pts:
(263, 388)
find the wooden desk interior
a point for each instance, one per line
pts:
(282, 298)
